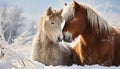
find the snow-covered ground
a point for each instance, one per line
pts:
(18, 56)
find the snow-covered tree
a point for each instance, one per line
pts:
(11, 20)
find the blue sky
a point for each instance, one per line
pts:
(34, 8)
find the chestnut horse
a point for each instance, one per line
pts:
(46, 46)
(99, 42)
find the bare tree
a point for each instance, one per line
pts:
(11, 20)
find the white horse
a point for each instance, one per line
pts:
(46, 46)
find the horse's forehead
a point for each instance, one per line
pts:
(54, 11)
(54, 15)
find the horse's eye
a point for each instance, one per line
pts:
(71, 18)
(52, 22)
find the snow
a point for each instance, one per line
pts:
(18, 56)
(80, 67)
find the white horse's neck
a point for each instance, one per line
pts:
(44, 40)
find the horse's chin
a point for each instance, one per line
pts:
(57, 41)
(69, 41)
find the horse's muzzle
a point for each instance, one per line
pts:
(59, 39)
(67, 39)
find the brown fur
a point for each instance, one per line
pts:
(94, 47)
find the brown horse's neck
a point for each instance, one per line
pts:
(90, 34)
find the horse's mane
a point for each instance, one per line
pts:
(94, 19)
(43, 16)
(68, 12)
(97, 21)
(41, 19)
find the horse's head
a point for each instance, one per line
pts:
(74, 15)
(52, 25)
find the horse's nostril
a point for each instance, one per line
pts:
(59, 39)
(63, 36)
(68, 38)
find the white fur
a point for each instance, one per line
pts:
(62, 25)
(45, 48)
(75, 41)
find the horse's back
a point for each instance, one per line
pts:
(35, 45)
(116, 35)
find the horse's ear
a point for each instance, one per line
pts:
(76, 5)
(60, 11)
(49, 11)
(65, 4)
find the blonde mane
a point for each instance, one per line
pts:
(95, 19)
(68, 12)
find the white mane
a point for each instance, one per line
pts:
(68, 11)
(95, 20)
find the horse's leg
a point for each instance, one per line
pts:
(107, 62)
(108, 58)
(76, 54)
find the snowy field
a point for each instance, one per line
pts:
(17, 56)
(15, 49)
